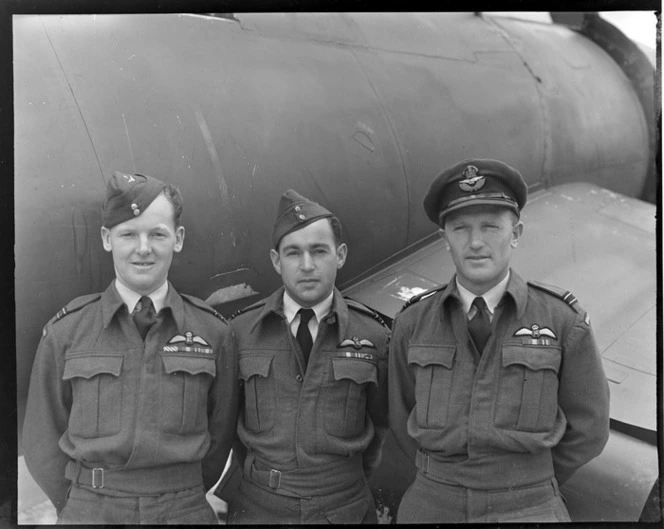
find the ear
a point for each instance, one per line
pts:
(106, 238)
(342, 253)
(276, 261)
(443, 235)
(517, 231)
(179, 239)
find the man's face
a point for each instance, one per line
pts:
(481, 239)
(307, 261)
(143, 247)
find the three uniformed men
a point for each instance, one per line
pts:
(497, 390)
(133, 396)
(313, 365)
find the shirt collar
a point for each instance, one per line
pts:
(131, 298)
(112, 301)
(291, 307)
(337, 310)
(491, 297)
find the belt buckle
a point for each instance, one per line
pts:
(275, 479)
(97, 475)
(425, 462)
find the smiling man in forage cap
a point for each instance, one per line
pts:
(133, 397)
(497, 391)
(313, 413)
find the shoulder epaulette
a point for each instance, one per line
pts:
(422, 296)
(248, 308)
(361, 307)
(75, 305)
(202, 305)
(560, 293)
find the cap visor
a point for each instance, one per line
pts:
(480, 202)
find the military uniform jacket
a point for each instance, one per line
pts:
(100, 395)
(336, 409)
(535, 404)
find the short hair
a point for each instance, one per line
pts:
(337, 231)
(172, 193)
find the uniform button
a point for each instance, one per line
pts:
(299, 378)
(302, 217)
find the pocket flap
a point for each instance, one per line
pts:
(535, 358)
(88, 366)
(359, 371)
(255, 365)
(424, 355)
(194, 365)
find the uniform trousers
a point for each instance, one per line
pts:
(188, 506)
(429, 501)
(255, 505)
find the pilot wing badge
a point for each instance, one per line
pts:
(471, 182)
(357, 343)
(189, 343)
(536, 335)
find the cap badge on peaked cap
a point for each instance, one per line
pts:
(472, 182)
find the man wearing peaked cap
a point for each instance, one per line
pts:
(313, 412)
(497, 390)
(133, 395)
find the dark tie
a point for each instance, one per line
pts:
(303, 335)
(144, 316)
(480, 326)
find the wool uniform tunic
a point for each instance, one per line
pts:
(312, 434)
(131, 419)
(532, 407)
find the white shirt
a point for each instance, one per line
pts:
(491, 297)
(131, 298)
(293, 318)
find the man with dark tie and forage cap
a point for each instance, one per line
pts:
(313, 410)
(497, 391)
(133, 397)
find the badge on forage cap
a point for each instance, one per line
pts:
(296, 212)
(127, 196)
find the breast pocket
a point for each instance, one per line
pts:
(259, 391)
(97, 394)
(432, 367)
(528, 389)
(346, 396)
(186, 382)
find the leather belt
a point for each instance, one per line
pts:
(524, 471)
(305, 482)
(152, 480)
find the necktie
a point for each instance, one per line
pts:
(303, 335)
(480, 326)
(144, 316)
